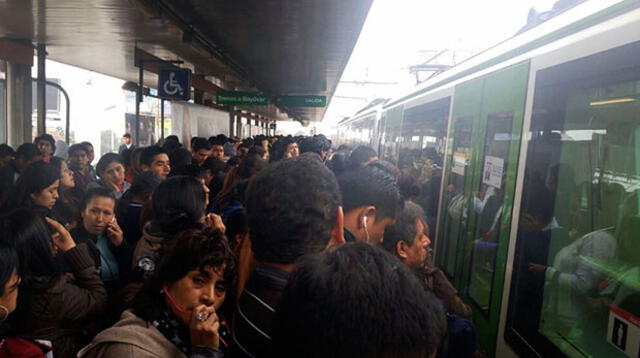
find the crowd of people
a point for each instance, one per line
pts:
(263, 247)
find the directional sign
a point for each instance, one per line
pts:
(241, 99)
(302, 101)
(174, 83)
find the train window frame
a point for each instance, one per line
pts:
(613, 66)
(443, 240)
(490, 119)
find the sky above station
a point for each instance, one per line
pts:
(402, 33)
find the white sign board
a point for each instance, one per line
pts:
(493, 169)
(623, 331)
(459, 163)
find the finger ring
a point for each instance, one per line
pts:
(202, 316)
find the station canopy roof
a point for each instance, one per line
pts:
(278, 47)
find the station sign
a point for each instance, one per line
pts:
(302, 101)
(241, 99)
(174, 84)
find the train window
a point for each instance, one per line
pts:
(454, 219)
(392, 126)
(423, 136)
(576, 282)
(489, 207)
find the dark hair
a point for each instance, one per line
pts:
(405, 228)
(87, 144)
(291, 209)
(338, 163)
(250, 166)
(198, 143)
(361, 286)
(344, 148)
(49, 138)
(36, 177)
(77, 147)
(6, 150)
(279, 149)
(148, 153)
(27, 151)
(171, 143)
(26, 231)
(191, 250)
(143, 185)
(190, 170)
(178, 204)
(214, 164)
(361, 155)
(409, 186)
(316, 144)
(106, 160)
(218, 140)
(8, 264)
(180, 157)
(255, 150)
(99, 192)
(370, 185)
(126, 135)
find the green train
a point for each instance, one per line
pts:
(528, 160)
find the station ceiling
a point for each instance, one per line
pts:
(278, 47)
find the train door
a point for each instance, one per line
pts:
(575, 289)
(475, 220)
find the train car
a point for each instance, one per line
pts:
(360, 129)
(528, 160)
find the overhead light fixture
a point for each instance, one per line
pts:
(612, 101)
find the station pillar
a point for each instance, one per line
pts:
(19, 127)
(232, 121)
(41, 90)
(239, 126)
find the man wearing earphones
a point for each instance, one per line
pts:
(293, 209)
(371, 199)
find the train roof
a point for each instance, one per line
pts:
(573, 20)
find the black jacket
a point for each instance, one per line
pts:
(254, 314)
(122, 253)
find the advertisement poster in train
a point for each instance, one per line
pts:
(493, 170)
(624, 331)
(147, 128)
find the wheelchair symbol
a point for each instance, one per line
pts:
(171, 86)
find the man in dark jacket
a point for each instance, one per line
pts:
(409, 241)
(293, 209)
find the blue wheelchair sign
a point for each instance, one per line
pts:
(174, 83)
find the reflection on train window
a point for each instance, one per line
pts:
(489, 207)
(390, 141)
(455, 216)
(423, 136)
(578, 247)
(359, 132)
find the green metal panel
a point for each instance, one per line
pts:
(467, 104)
(504, 91)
